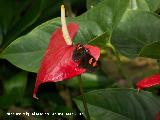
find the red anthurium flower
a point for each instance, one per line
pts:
(149, 82)
(62, 61)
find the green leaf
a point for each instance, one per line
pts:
(92, 3)
(139, 4)
(146, 5)
(151, 50)
(153, 4)
(106, 14)
(101, 40)
(136, 30)
(86, 33)
(121, 104)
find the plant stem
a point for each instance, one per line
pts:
(83, 97)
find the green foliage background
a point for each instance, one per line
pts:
(121, 28)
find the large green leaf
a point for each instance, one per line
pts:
(153, 4)
(151, 50)
(146, 5)
(109, 20)
(136, 30)
(121, 104)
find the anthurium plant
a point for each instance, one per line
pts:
(100, 64)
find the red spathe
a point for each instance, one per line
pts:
(149, 82)
(57, 64)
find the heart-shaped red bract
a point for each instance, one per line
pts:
(149, 82)
(57, 64)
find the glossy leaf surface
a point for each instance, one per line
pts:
(121, 104)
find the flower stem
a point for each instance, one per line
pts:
(83, 97)
(64, 27)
